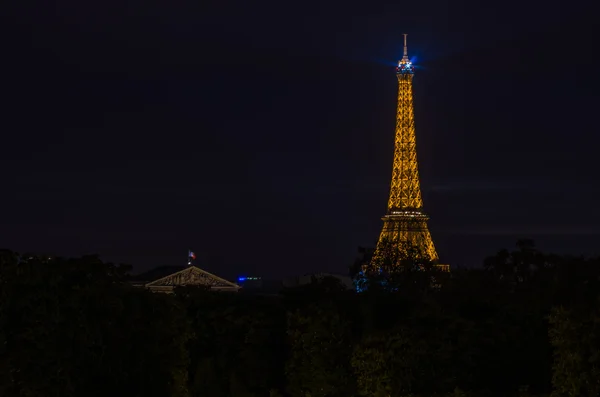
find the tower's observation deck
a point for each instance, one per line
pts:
(405, 223)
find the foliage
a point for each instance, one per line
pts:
(526, 324)
(320, 342)
(388, 365)
(72, 328)
(576, 341)
(237, 344)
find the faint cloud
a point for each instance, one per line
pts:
(535, 231)
(533, 185)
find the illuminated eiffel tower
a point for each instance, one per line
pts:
(405, 223)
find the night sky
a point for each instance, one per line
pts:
(260, 133)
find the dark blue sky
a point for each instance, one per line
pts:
(260, 134)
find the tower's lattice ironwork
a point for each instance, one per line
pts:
(405, 223)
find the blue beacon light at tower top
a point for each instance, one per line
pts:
(405, 67)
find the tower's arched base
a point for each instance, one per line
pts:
(406, 235)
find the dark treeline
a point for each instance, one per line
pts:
(526, 324)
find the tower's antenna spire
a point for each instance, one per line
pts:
(405, 57)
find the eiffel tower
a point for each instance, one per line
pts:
(405, 223)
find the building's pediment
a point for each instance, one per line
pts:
(193, 276)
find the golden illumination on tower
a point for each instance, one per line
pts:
(405, 224)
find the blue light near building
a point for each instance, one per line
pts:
(250, 281)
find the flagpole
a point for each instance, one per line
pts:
(191, 257)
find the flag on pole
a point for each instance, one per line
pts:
(192, 255)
